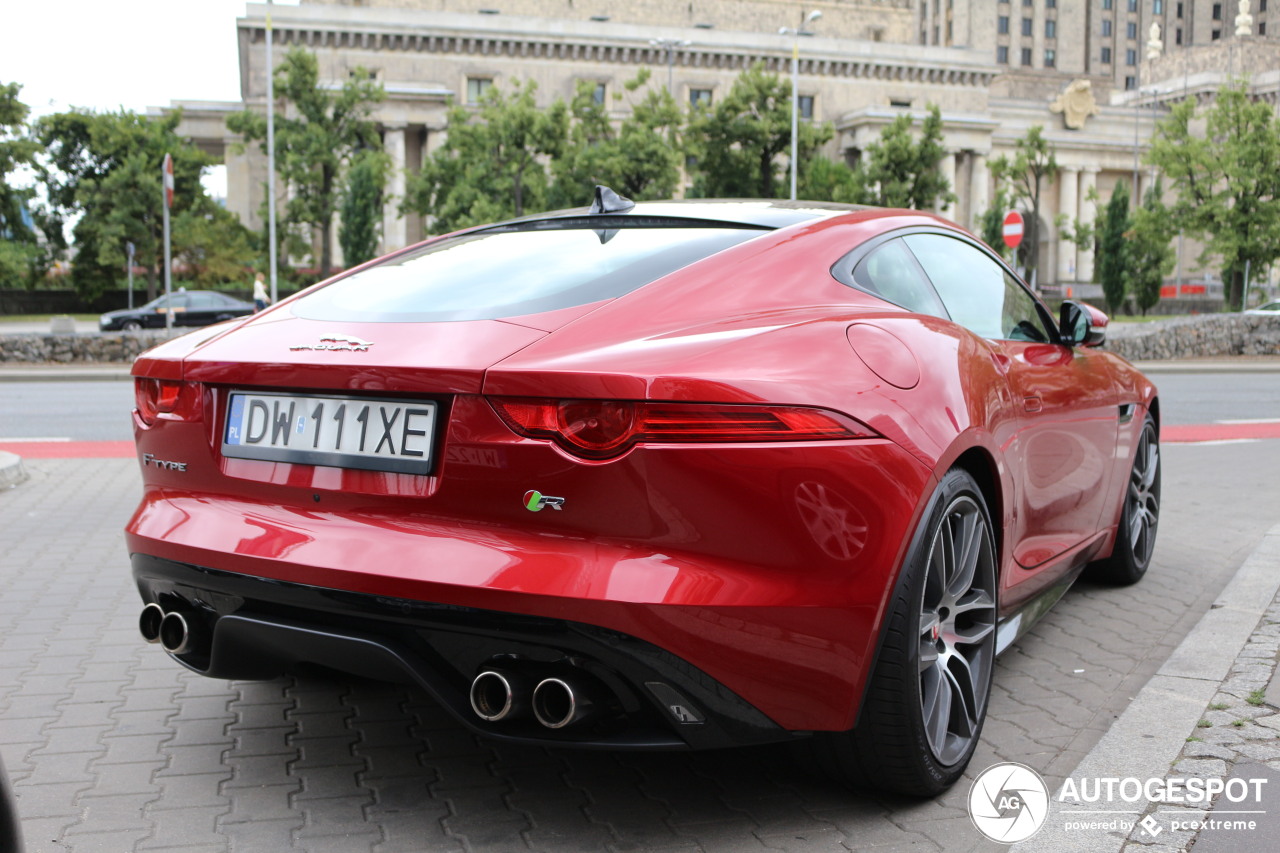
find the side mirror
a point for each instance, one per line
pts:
(1082, 325)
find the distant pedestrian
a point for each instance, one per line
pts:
(259, 293)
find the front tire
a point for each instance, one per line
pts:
(131, 326)
(1139, 517)
(923, 712)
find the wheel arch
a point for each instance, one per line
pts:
(980, 465)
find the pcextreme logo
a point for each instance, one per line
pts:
(1008, 802)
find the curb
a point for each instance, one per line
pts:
(66, 373)
(1146, 740)
(12, 471)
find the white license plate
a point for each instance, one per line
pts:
(341, 432)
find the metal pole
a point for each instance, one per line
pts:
(131, 250)
(168, 271)
(671, 64)
(271, 160)
(1244, 300)
(795, 84)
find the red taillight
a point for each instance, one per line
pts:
(599, 429)
(177, 400)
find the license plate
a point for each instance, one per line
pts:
(340, 432)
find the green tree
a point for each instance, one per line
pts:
(1226, 182)
(21, 257)
(823, 179)
(640, 161)
(105, 169)
(362, 206)
(315, 139)
(1150, 250)
(991, 221)
(903, 170)
(1113, 248)
(1034, 165)
(737, 141)
(491, 164)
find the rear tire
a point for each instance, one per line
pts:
(922, 715)
(1139, 517)
(130, 325)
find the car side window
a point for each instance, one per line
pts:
(977, 291)
(891, 273)
(202, 301)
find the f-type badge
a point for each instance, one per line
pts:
(536, 501)
(343, 343)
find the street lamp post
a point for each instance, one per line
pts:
(795, 84)
(670, 45)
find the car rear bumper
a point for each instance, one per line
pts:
(642, 697)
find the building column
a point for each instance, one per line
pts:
(979, 190)
(1088, 215)
(947, 165)
(1068, 206)
(394, 232)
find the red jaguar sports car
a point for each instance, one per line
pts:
(650, 476)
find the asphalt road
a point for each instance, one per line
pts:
(112, 746)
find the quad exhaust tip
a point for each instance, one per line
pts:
(499, 695)
(149, 622)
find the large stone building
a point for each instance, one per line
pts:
(995, 68)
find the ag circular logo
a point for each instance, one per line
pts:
(1008, 802)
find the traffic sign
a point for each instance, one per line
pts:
(1012, 229)
(168, 180)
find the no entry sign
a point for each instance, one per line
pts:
(1012, 229)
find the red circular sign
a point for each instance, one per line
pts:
(1012, 229)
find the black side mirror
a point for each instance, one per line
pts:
(1080, 325)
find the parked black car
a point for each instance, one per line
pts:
(190, 308)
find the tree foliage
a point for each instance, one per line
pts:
(991, 221)
(641, 160)
(1113, 249)
(362, 206)
(902, 170)
(1033, 167)
(490, 165)
(1150, 250)
(738, 141)
(105, 169)
(23, 260)
(316, 135)
(1226, 181)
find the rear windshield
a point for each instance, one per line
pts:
(509, 273)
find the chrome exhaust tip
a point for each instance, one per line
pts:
(498, 694)
(179, 633)
(558, 703)
(149, 622)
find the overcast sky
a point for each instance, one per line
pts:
(133, 54)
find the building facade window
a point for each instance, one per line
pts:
(1215, 35)
(1177, 36)
(1178, 10)
(1002, 55)
(1050, 57)
(804, 106)
(1217, 11)
(1106, 5)
(1157, 7)
(700, 98)
(1106, 56)
(1106, 29)
(1131, 83)
(599, 94)
(1050, 29)
(477, 86)
(1131, 30)
(1133, 5)
(1002, 25)
(1026, 56)
(1130, 57)
(1027, 23)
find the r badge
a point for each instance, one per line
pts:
(536, 501)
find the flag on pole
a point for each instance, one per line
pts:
(168, 180)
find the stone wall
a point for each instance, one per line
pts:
(1197, 337)
(1180, 337)
(88, 348)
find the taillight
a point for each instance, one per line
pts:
(600, 429)
(156, 398)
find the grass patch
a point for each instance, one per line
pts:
(1219, 706)
(1194, 739)
(1257, 697)
(1204, 724)
(1239, 724)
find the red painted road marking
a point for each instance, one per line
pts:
(69, 449)
(1218, 432)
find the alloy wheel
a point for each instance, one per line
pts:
(1144, 497)
(957, 630)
